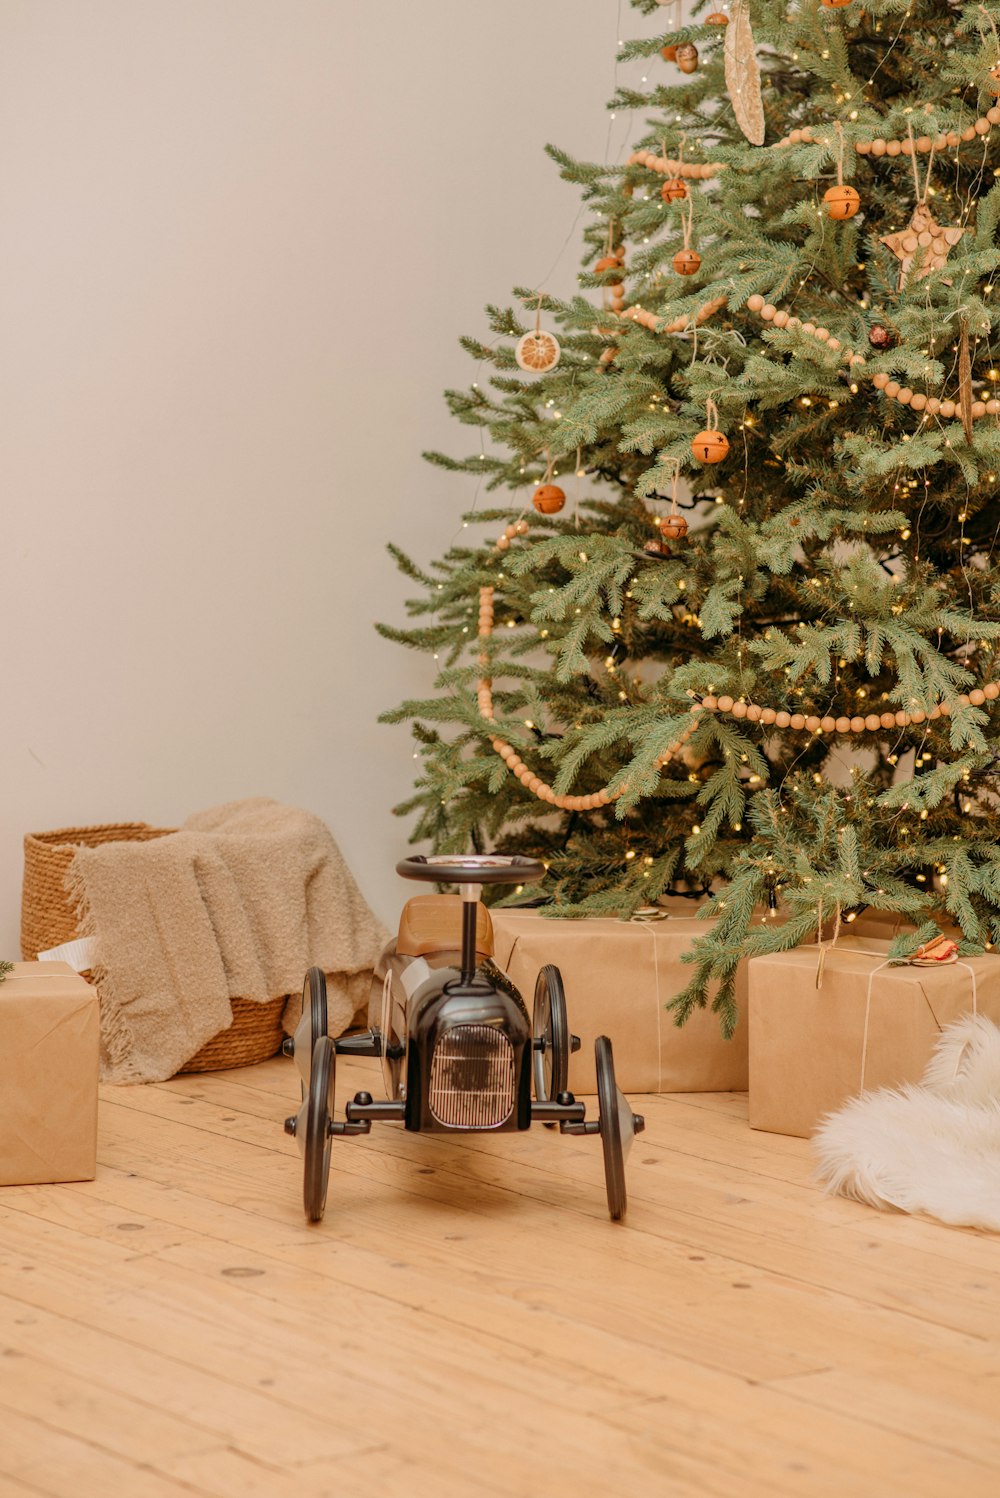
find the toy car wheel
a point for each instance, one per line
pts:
(318, 1110)
(619, 1126)
(312, 1025)
(550, 1058)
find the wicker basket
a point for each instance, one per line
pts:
(48, 920)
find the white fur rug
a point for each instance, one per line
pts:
(934, 1148)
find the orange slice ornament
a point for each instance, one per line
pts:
(537, 352)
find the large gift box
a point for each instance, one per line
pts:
(866, 1025)
(619, 976)
(48, 1075)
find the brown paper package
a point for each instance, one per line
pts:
(49, 1032)
(618, 977)
(807, 1044)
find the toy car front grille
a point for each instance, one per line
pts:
(472, 1078)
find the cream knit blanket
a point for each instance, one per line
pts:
(237, 904)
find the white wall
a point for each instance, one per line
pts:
(238, 242)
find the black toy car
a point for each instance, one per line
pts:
(458, 1049)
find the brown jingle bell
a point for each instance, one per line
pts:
(842, 201)
(655, 547)
(717, 18)
(673, 527)
(687, 262)
(673, 188)
(687, 57)
(835, 4)
(710, 446)
(548, 499)
(669, 54)
(609, 262)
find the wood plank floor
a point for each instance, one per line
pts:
(468, 1322)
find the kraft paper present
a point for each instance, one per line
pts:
(49, 1033)
(867, 1026)
(618, 977)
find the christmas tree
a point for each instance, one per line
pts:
(736, 628)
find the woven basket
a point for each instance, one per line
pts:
(48, 919)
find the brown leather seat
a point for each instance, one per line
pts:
(433, 923)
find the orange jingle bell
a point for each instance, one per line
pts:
(673, 527)
(717, 18)
(669, 54)
(835, 4)
(710, 446)
(548, 499)
(609, 262)
(687, 262)
(673, 188)
(842, 201)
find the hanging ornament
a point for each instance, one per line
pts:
(842, 201)
(923, 237)
(669, 54)
(537, 352)
(835, 4)
(992, 79)
(673, 526)
(687, 262)
(880, 337)
(654, 547)
(717, 18)
(673, 188)
(711, 445)
(608, 262)
(686, 57)
(548, 499)
(743, 75)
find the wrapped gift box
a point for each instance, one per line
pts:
(618, 977)
(48, 1075)
(809, 1050)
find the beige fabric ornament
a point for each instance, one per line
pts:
(923, 236)
(743, 74)
(537, 352)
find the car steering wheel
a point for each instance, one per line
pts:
(472, 868)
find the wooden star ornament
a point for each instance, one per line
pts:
(922, 237)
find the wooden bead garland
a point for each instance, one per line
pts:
(890, 388)
(667, 167)
(923, 144)
(679, 324)
(752, 712)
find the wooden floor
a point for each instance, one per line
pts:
(468, 1322)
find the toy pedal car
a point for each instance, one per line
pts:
(459, 1052)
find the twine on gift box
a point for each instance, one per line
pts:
(823, 947)
(891, 961)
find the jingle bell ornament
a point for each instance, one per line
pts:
(687, 57)
(673, 527)
(687, 262)
(673, 188)
(842, 201)
(717, 18)
(609, 262)
(835, 4)
(654, 547)
(669, 54)
(710, 446)
(992, 79)
(548, 499)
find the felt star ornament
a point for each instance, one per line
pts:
(925, 237)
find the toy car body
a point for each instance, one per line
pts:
(459, 1050)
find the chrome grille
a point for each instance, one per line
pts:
(472, 1078)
